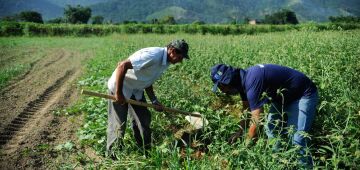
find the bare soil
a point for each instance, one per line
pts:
(29, 130)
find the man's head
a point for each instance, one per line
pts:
(177, 51)
(222, 76)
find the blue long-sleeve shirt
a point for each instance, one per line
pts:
(261, 84)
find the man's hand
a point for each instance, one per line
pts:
(150, 92)
(252, 132)
(255, 119)
(120, 99)
(160, 107)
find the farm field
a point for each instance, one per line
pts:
(29, 66)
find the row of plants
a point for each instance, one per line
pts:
(34, 29)
(329, 58)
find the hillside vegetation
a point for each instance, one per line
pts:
(187, 11)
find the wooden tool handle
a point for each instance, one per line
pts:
(91, 93)
(167, 109)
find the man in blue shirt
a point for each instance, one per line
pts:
(290, 93)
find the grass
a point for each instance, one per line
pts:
(8, 73)
(329, 58)
(19, 54)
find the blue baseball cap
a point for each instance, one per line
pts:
(221, 73)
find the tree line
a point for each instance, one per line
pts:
(72, 14)
(344, 19)
(82, 15)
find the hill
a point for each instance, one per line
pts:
(218, 11)
(185, 11)
(63, 3)
(46, 8)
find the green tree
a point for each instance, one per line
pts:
(282, 17)
(77, 15)
(56, 20)
(97, 19)
(344, 19)
(168, 20)
(30, 16)
(9, 18)
(246, 20)
(129, 22)
(154, 21)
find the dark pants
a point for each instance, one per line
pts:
(117, 117)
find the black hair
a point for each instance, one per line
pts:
(170, 46)
(176, 50)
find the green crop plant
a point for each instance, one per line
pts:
(330, 58)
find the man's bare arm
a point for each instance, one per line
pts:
(255, 119)
(150, 92)
(120, 76)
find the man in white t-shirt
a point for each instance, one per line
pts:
(129, 80)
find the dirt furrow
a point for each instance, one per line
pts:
(27, 121)
(24, 89)
(34, 67)
(57, 58)
(32, 107)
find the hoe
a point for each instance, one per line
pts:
(194, 118)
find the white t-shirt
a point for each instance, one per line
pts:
(148, 65)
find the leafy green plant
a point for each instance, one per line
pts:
(327, 57)
(68, 146)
